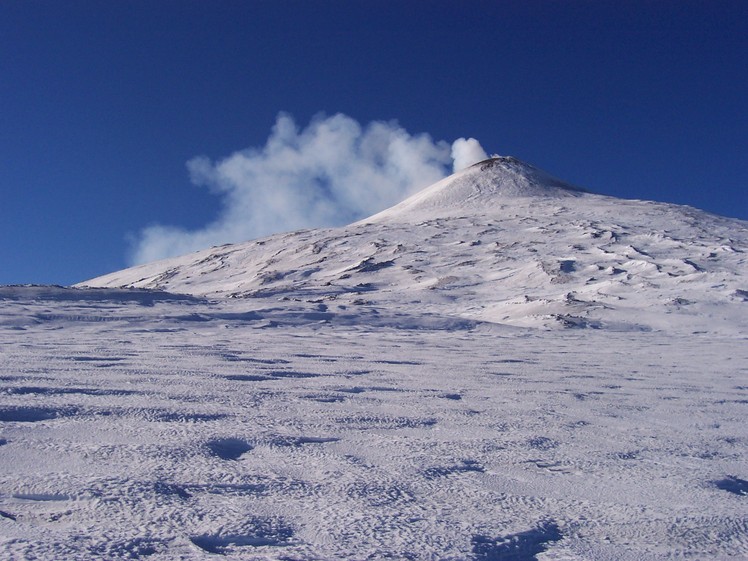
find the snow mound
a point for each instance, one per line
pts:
(480, 189)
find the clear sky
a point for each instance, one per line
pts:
(102, 104)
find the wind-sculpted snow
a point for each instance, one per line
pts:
(502, 243)
(393, 390)
(136, 432)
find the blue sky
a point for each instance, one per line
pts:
(102, 104)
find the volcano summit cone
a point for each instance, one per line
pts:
(480, 189)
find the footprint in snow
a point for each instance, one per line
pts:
(443, 471)
(41, 497)
(523, 546)
(228, 448)
(542, 443)
(296, 441)
(733, 485)
(255, 532)
(31, 414)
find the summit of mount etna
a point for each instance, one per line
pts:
(481, 188)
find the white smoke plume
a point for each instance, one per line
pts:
(466, 152)
(333, 172)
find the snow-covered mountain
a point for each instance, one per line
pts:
(393, 390)
(500, 242)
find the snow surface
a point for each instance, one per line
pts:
(501, 367)
(501, 243)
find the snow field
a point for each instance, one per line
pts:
(502, 367)
(147, 434)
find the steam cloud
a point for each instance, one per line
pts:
(333, 172)
(466, 152)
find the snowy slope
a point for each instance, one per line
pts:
(478, 189)
(142, 426)
(500, 242)
(408, 387)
